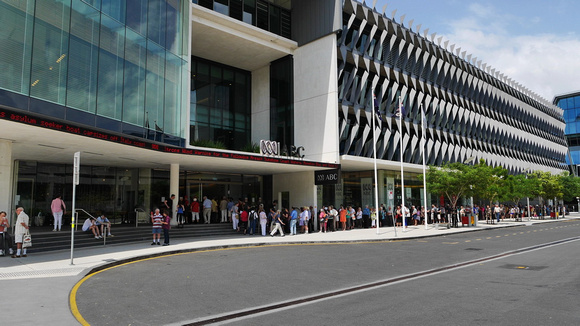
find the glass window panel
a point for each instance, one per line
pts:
(236, 9)
(83, 57)
(221, 6)
(15, 42)
(174, 26)
(563, 104)
(173, 89)
(50, 51)
(202, 84)
(202, 114)
(115, 9)
(250, 12)
(275, 20)
(155, 85)
(137, 16)
(156, 21)
(93, 3)
(262, 14)
(215, 117)
(110, 80)
(134, 91)
(577, 101)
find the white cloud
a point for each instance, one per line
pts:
(547, 64)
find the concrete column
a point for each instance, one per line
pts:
(6, 177)
(174, 189)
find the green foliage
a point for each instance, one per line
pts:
(251, 147)
(570, 187)
(451, 180)
(208, 143)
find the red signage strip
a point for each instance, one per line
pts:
(141, 143)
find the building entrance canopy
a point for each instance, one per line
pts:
(56, 142)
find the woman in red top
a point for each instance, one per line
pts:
(244, 219)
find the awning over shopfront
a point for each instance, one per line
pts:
(46, 140)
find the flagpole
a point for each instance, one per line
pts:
(375, 112)
(424, 149)
(403, 211)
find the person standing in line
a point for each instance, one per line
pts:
(206, 210)
(7, 239)
(322, 219)
(278, 225)
(373, 218)
(156, 220)
(234, 212)
(330, 217)
(214, 210)
(293, 220)
(180, 212)
(252, 219)
(263, 221)
(343, 214)
(168, 203)
(21, 226)
(366, 214)
(194, 210)
(224, 210)
(301, 219)
(244, 218)
(166, 226)
(359, 218)
(229, 208)
(58, 208)
(352, 213)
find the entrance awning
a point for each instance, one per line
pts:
(36, 139)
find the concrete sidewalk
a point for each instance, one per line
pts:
(46, 279)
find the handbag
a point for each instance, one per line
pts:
(27, 240)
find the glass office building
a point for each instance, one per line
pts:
(570, 103)
(117, 65)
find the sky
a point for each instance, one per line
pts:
(536, 43)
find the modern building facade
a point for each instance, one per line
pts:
(570, 103)
(174, 96)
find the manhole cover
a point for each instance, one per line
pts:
(523, 267)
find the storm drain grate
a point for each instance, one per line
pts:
(473, 249)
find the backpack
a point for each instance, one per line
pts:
(253, 215)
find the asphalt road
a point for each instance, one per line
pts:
(423, 281)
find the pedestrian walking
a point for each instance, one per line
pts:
(21, 227)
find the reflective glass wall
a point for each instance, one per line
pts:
(113, 64)
(571, 106)
(220, 105)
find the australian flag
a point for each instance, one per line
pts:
(400, 111)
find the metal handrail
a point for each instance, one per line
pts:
(77, 216)
(136, 210)
(105, 228)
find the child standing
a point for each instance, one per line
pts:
(157, 220)
(166, 226)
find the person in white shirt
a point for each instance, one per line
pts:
(21, 226)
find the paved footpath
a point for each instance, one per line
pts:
(36, 288)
